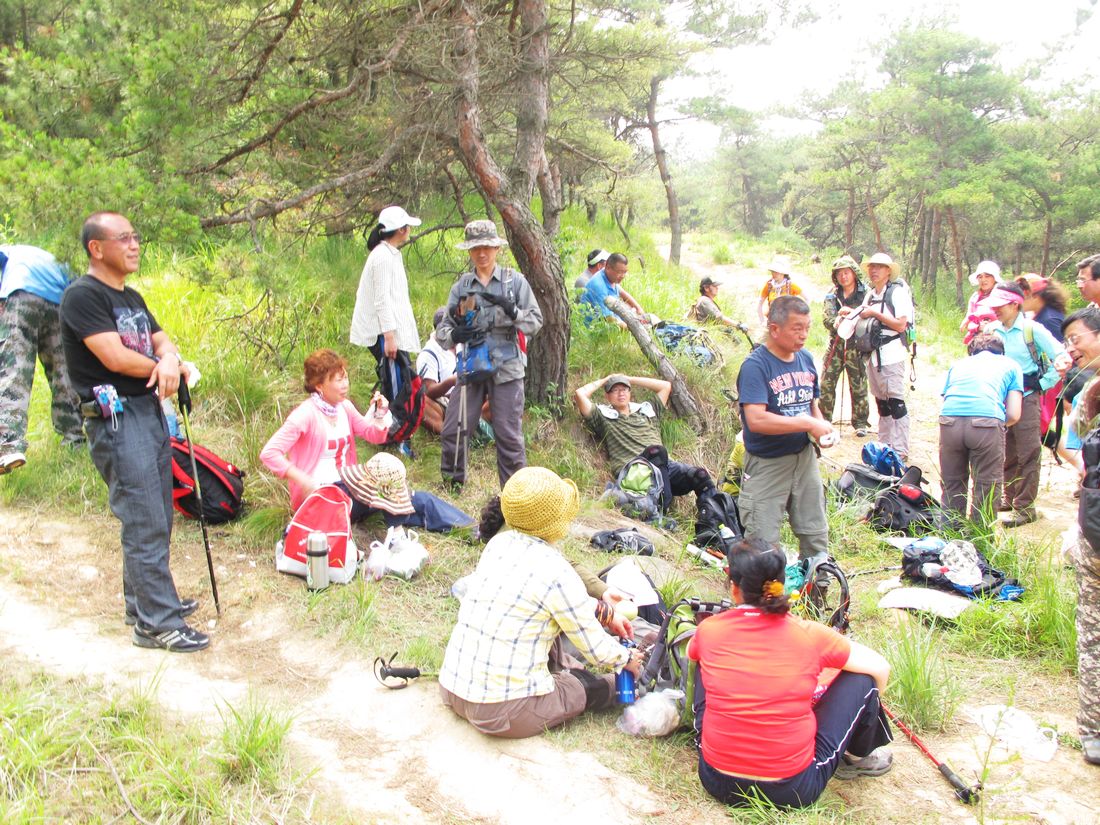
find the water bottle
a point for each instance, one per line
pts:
(705, 557)
(316, 561)
(624, 681)
(726, 533)
(170, 417)
(931, 570)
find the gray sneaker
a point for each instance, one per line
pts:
(181, 640)
(876, 763)
(11, 461)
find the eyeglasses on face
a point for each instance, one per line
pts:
(125, 238)
(1073, 340)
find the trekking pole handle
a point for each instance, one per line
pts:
(183, 396)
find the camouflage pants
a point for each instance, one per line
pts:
(31, 327)
(1088, 639)
(846, 359)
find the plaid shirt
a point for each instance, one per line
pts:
(522, 595)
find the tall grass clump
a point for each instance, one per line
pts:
(254, 743)
(923, 690)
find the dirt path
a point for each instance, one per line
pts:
(389, 756)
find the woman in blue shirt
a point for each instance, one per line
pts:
(982, 394)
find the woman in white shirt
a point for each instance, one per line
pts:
(383, 318)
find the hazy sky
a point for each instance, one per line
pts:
(847, 37)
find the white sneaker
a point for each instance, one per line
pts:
(11, 461)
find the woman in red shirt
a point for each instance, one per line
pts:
(762, 730)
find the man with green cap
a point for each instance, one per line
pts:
(848, 291)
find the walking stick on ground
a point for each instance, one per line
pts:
(966, 793)
(185, 412)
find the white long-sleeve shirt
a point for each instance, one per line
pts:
(382, 301)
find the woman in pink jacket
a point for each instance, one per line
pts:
(317, 441)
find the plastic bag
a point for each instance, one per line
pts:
(655, 714)
(1017, 732)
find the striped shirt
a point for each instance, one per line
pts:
(522, 595)
(382, 301)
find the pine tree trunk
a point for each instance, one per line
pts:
(661, 157)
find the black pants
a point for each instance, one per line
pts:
(849, 718)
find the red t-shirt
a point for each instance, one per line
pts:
(760, 672)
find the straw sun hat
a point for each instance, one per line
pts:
(380, 483)
(539, 502)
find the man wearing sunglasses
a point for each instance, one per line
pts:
(122, 364)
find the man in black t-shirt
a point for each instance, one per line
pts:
(778, 389)
(114, 347)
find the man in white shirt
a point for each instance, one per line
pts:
(888, 309)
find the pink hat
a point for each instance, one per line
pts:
(1000, 297)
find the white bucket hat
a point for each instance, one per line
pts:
(885, 260)
(394, 217)
(781, 264)
(986, 268)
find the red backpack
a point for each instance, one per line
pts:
(327, 510)
(221, 484)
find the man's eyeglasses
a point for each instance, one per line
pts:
(1073, 340)
(125, 237)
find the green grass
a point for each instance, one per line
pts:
(923, 688)
(70, 752)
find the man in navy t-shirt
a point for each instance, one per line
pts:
(778, 389)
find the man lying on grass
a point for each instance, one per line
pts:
(628, 429)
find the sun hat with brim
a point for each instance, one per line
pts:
(380, 483)
(708, 281)
(394, 217)
(847, 326)
(845, 262)
(537, 501)
(613, 380)
(781, 264)
(481, 233)
(885, 260)
(986, 268)
(1001, 297)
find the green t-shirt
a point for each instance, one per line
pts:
(626, 436)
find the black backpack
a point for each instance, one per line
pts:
(406, 399)
(859, 481)
(622, 540)
(905, 507)
(221, 483)
(716, 511)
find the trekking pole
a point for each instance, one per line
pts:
(966, 793)
(185, 411)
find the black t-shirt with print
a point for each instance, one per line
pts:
(89, 307)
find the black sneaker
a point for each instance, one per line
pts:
(180, 640)
(187, 607)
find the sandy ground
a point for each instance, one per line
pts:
(396, 756)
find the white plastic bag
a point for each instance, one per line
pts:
(655, 714)
(1017, 732)
(400, 554)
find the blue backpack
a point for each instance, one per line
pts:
(882, 459)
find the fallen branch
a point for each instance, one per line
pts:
(682, 402)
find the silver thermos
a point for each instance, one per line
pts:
(317, 561)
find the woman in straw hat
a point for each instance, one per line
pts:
(504, 670)
(316, 446)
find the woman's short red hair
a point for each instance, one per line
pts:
(321, 365)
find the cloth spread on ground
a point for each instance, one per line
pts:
(760, 672)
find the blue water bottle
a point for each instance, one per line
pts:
(624, 681)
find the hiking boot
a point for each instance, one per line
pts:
(862, 432)
(1004, 507)
(876, 763)
(1021, 518)
(187, 607)
(179, 640)
(11, 461)
(405, 448)
(1090, 748)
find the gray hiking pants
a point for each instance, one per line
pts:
(886, 383)
(1023, 456)
(133, 457)
(789, 484)
(463, 412)
(972, 448)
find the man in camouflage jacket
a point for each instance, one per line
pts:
(849, 291)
